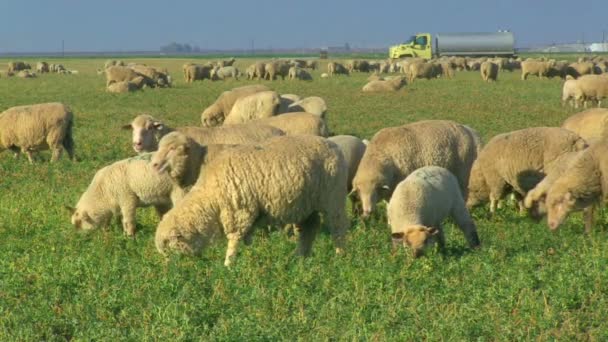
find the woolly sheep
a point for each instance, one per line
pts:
(571, 92)
(299, 74)
(590, 124)
(255, 106)
(119, 74)
(17, 66)
(194, 72)
(117, 190)
(250, 72)
(336, 68)
(447, 69)
(37, 127)
(395, 152)
(352, 149)
(534, 67)
(276, 68)
(392, 85)
(214, 114)
(579, 69)
(159, 78)
(422, 70)
(581, 186)
(419, 205)
(312, 104)
(260, 70)
(489, 71)
(223, 73)
(311, 65)
(284, 180)
(593, 87)
(298, 123)
(147, 131)
(121, 87)
(517, 160)
(42, 67)
(286, 101)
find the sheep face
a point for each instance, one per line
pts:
(172, 154)
(369, 193)
(558, 208)
(213, 116)
(83, 219)
(416, 237)
(174, 240)
(145, 133)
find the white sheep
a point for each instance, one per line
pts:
(215, 114)
(312, 104)
(298, 123)
(419, 205)
(255, 106)
(287, 180)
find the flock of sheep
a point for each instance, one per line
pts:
(24, 70)
(264, 157)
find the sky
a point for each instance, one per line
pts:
(138, 25)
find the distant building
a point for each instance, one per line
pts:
(598, 47)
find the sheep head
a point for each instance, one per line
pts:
(146, 132)
(173, 154)
(416, 237)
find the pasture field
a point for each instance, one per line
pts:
(59, 284)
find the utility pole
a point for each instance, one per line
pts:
(62, 48)
(252, 47)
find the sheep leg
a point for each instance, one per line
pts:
(233, 244)
(440, 239)
(465, 223)
(30, 155)
(589, 217)
(307, 232)
(127, 211)
(338, 225)
(15, 151)
(56, 153)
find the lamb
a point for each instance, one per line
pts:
(42, 67)
(489, 71)
(214, 114)
(352, 149)
(533, 67)
(223, 73)
(119, 189)
(378, 86)
(517, 160)
(336, 68)
(299, 74)
(284, 180)
(298, 123)
(395, 152)
(312, 104)
(591, 124)
(581, 186)
(255, 106)
(36, 127)
(286, 101)
(183, 158)
(147, 131)
(421, 202)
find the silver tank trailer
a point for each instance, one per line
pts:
(471, 44)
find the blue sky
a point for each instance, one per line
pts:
(115, 25)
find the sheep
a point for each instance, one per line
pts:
(489, 71)
(214, 114)
(17, 66)
(284, 180)
(533, 67)
(25, 74)
(579, 69)
(110, 63)
(571, 92)
(590, 124)
(352, 149)
(581, 186)
(312, 104)
(122, 87)
(419, 205)
(286, 101)
(422, 70)
(147, 131)
(183, 158)
(42, 67)
(395, 152)
(447, 69)
(159, 78)
(310, 64)
(120, 74)
(276, 68)
(260, 70)
(255, 106)
(300, 63)
(517, 160)
(194, 72)
(336, 68)
(392, 85)
(222, 73)
(37, 127)
(299, 74)
(227, 63)
(297, 123)
(592, 87)
(250, 72)
(118, 189)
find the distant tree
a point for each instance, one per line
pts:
(176, 47)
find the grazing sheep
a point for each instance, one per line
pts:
(286, 101)
(118, 189)
(17, 66)
(447, 69)
(214, 114)
(421, 202)
(581, 186)
(299, 74)
(183, 158)
(260, 70)
(352, 149)
(147, 132)
(276, 68)
(37, 127)
(592, 88)
(298, 123)
(571, 92)
(313, 65)
(42, 67)
(222, 73)
(255, 106)
(534, 67)
(250, 72)
(336, 68)
(159, 78)
(579, 69)
(312, 104)
(194, 72)
(392, 85)
(284, 180)
(517, 160)
(590, 124)
(422, 70)
(120, 74)
(395, 152)
(489, 71)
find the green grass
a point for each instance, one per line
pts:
(56, 283)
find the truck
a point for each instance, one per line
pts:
(427, 46)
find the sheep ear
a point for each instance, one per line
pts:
(158, 125)
(71, 210)
(127, 127)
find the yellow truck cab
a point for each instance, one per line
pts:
(427, 46)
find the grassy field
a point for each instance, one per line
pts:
(59, 284)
